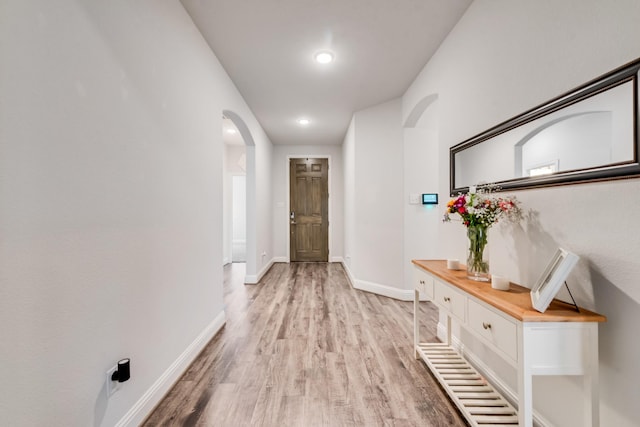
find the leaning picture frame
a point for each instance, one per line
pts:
(552, 279)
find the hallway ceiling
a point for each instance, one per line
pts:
(267, 48)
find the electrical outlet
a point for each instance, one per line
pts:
(112, 386)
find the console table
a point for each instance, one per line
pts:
(560, 341)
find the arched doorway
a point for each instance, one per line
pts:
(243, 164)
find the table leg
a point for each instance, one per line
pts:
(525, 383)
(416, 328)
(591, 380)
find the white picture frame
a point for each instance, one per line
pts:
(549, 283)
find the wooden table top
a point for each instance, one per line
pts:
(516, 302)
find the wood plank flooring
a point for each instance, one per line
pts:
(303, 348)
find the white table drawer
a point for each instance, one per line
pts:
(449, 299)
(423, 282)
(497, 330)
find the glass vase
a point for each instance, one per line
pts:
(477, 257)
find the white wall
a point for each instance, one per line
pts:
(421, 173)
(373, 154)
(349, 177)
(262, 218)
(110, 195)
(280, 170)
(501, 59)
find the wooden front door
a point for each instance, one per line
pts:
(309, 204)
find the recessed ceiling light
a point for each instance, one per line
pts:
(304, 122)
(323, 57)
(231, 131)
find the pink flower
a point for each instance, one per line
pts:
(505, 205)
(482, 209)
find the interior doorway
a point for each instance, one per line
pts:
(247, 163)
(309, 209)
(235, 194)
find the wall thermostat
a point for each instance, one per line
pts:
(430, 199)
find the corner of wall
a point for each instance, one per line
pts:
(376, 288)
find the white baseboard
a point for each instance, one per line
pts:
(254, 279)
(376, 288)
(387, 291)
(488, 373)
(346, 270)
(337, 259)
(143, 407)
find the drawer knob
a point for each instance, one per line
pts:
(486, 325)
(422, 282)
(447, 299)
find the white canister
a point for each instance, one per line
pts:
(453, 264)
(500, 283)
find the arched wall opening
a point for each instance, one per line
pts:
(250, 191)
(416, 118)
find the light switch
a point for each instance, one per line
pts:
(414, 199)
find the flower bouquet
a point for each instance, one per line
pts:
(478, 212)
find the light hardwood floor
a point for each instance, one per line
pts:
(303, 348)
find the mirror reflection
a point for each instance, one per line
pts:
(591, 129)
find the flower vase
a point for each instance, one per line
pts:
(477, 258)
